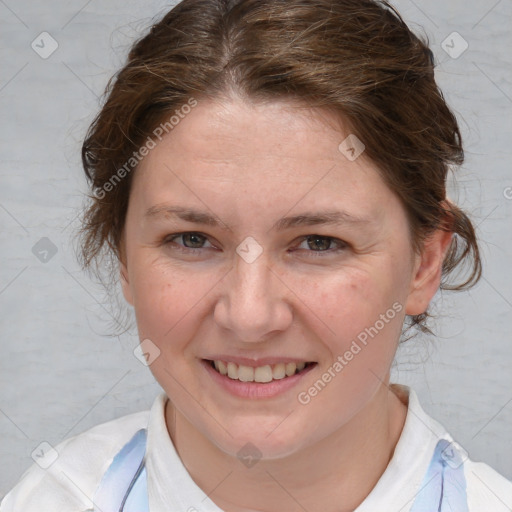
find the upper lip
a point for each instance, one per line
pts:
(255, 362)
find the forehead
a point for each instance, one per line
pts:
(274, 153)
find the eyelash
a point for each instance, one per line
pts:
(315, 254)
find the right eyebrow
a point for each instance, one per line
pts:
(186, 214)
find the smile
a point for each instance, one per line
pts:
(260, 374)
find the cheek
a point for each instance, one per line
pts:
(364, 315)
(165, 299)
(348, 301)
(359, 317)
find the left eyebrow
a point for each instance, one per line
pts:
(317, 218)
(304, 219)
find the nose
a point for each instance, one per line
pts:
(253, 304)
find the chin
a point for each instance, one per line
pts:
(263, 444)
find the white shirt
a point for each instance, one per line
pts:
(70, 482)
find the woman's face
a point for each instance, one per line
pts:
(249, 269)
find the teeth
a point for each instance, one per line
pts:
(232, 371)
(279, 371)
(290, 369)
(265, 373)
(222, 368)
(245, 373)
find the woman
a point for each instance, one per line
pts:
(270, 178)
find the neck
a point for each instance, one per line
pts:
(333, 475)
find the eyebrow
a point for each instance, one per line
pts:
(335, 217)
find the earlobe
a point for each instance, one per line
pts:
(427, 272)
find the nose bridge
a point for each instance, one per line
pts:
(252, 304)
(251, 282)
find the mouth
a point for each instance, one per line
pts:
(260, 374)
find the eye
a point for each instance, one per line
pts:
(323, 245)
(191, 241)
(313, 245)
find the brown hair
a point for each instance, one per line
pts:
(355, 58)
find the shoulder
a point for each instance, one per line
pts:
(67, 475)
(417, 449)
(486, 488)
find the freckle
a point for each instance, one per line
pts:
(354, 286)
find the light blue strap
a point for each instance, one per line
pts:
(123, 487)
(444, 486)
(137, 500)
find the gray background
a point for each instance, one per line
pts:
(60, 375)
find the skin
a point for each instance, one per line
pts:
(249, 165)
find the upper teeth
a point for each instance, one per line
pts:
(259, 374)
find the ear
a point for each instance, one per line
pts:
(427, 272)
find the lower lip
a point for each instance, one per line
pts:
(256, 389)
